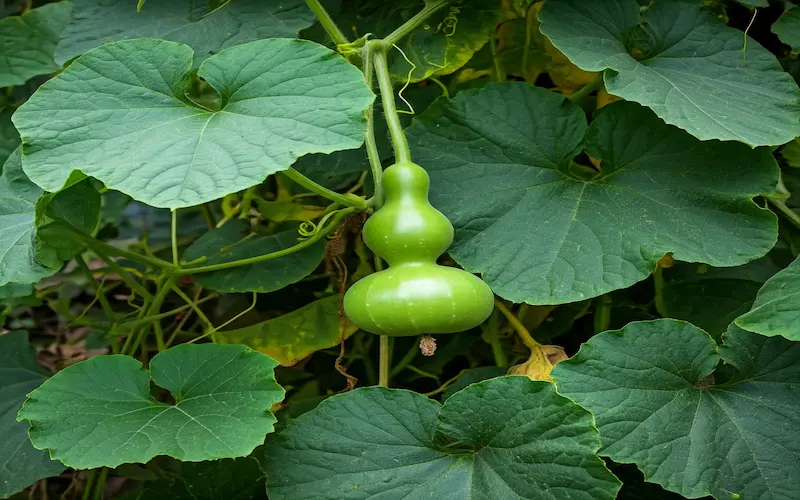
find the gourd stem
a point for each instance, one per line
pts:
(327, 22)
(318, 235)
(410, 25)
(384, 360)
(523, 333)
(369, 139)
(602, 315)
(378, 50)
(348, 201)
(174, 234)
(587, 89)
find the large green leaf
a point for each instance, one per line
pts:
(9, 138)
(239, 479)
(18, 196)
(543, 230)
(121, 109)
(682, 62)
(712, 297)
(787, 27)
(777, 307)
(660, 404)
(233, 241)
(27, 43)
(505, 438)
(99, 413)
(293, 336)
(20, 463)
(95, 22)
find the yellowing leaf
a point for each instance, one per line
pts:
(293, 336)
(604, 98)
(540, 364)
(567, 77)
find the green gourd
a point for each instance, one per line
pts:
(415, 295)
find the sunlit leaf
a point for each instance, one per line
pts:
(122, 108)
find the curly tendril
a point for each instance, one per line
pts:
(408, 82)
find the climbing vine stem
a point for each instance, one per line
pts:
(522, 332)
(327, 22)
(347, 201)
(320, 233)
(369, 139)
(430, 8)
(378, 51)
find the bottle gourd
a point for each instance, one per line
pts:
(415, 295)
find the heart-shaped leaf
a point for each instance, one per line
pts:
(99, 413)
(20, 463)
(684, 63)
(294, 335)
(233, 241)
(660, 404)
(507, 437)
(28, 42)
(196, 24)
(120, 114)
(545, 230)
(776, 310)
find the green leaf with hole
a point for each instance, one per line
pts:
(659, 403)
(507, 437)
(776, 310)
(787, 27)
(234, 241)
(684, 63)
(122, 108)
(20, 463)
(293, 336)
(657, 190)
(100, 412)
(28, 42)
(205, 29)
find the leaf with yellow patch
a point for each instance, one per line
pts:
(293, 336)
